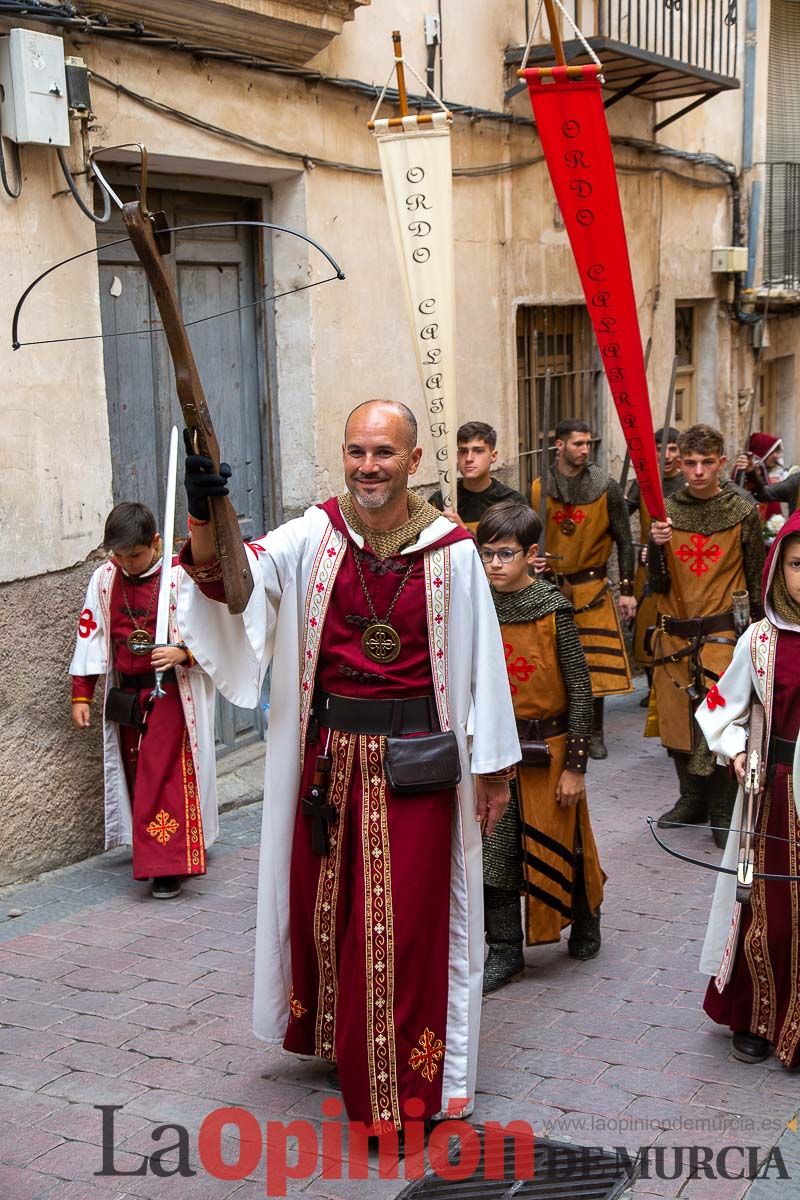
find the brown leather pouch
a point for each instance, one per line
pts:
(534, 754)
(428, 763)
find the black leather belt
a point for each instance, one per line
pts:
(783, 751)
(538, 730)
(584, 576)
(383, 718)
(696, 627)
(147, 680)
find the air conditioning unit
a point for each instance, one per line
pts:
(729, 260)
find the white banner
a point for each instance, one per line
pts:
(418, 177)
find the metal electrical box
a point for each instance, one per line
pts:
(729, 260)
(33, 89)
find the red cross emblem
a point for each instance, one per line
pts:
(698, 554)
(570, 512)
(254, 546)
(427, 1055)
(715, 699)
(86, 623)
(519, 669)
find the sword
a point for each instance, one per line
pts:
(626, 464)
(168, 536)
(662, 450)
(753, 785)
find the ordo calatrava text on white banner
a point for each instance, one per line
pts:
(418, 179)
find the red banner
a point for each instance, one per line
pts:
(571, 124)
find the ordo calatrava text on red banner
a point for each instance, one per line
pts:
(571, 123)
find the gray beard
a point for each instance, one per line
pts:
(371, 502)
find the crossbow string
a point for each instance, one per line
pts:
(168, 230)
(708, 866)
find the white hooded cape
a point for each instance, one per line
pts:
(726, 728)
(93, 657)
(295, 567)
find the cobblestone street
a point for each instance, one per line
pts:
(111, 998)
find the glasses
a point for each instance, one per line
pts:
(505, 555)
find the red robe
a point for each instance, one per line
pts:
(166, 822)
(370, 922)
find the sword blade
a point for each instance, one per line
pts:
(168, 535)
(662, 453)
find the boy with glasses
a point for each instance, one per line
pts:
(543, 845)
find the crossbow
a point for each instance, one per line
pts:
(151, 237)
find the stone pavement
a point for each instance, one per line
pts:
(110, 998)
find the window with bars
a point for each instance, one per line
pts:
(558, 339)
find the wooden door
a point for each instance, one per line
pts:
(216, 272)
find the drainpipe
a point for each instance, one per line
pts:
(748, 118)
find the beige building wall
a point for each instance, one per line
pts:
(334, 346)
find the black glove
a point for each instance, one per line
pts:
(200, 480)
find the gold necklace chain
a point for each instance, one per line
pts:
(380, 640)
(138, 639)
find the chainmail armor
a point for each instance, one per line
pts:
(502, 852)
(728, 508)
(384, 543)
(531, 604)
(585, 489)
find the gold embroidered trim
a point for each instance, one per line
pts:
(344, 745)
(379, 939)
(762, 1019)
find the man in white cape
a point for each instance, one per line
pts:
(376, 616)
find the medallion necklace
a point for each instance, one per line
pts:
(138, 640)
(380, 640)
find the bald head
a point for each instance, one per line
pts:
(398, 419)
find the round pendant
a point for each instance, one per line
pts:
(139, 642)
(380, 642)
(568, 526)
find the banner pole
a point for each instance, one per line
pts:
(555, 33)
(401, 72)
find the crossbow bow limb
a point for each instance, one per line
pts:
(151, 237)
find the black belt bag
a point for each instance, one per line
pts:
(124, 708)
(429, 763)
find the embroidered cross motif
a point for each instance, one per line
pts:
(427, 1055)
(715, 699)
(163, 827)
(86, 623)
(569, 513)
(699, 554)
(295, 1007)
(519, 669)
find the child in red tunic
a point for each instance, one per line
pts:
(152, 757)
(755, 957)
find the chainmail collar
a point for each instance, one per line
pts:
(785, 607)
(385, 543)
(530, 604)
(725, 510)
(577, 489)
